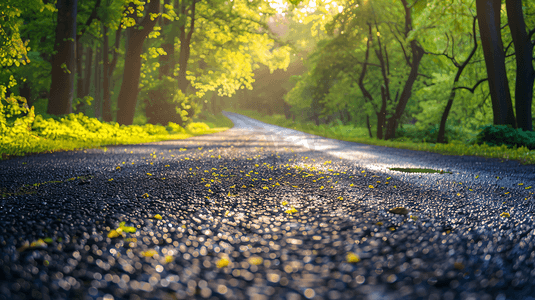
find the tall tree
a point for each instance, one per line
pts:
(488, 12)
(81, 92)
(106, 101)
(413, 61)
(64, 60)
(88, 70)
(185, 44)
(441, 138)
(524, 65)
(97, 83)
(130, 86)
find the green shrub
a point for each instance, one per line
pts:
(15, 116)
(22, 133)
(197, 127)
(504, 135)
(429, 134)
(175, 128)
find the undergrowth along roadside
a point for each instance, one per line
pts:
(521, 154)
(24, 133)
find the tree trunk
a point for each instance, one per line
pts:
(524, 66)
(488, 12)
(417, 53)
(82, 89)
(115, 54)
(106, 103)
(367, 95)
(97, 104)
(80, 93)
(88, 69)
(369, 126)
(185, 41)
(442, 128)
(381, 114)
(127, 99)
(64, 61)
(25, 91)
(385, 87)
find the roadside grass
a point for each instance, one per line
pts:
(35, 134)
(360, 135)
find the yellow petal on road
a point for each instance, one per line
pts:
(113, 234)
(223, 262)
(149, 253)
(352, 258)
(291, 210)
(256, 260)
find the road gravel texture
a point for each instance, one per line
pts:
(263, 212)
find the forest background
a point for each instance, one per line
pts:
(399, 70)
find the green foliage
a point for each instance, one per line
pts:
(13, 50)
(86, 100)
(330, 89)
(21, 133)
(197, 127)
(428, 134)
(165, 103)
(503, 135)
(15, 118)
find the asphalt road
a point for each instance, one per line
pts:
(263, 212)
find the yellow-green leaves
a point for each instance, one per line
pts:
(292, 210)
(223, 262)
(40, 243)
(149, 253)
(505, 215)
(121, 230)
(352, 258)
(255, 260)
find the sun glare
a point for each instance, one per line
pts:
(281, 6)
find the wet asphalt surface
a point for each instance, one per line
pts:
(262, 212)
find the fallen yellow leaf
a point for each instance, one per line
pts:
(223, 262)
(352, 258)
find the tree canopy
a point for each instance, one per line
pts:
(380, 64)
